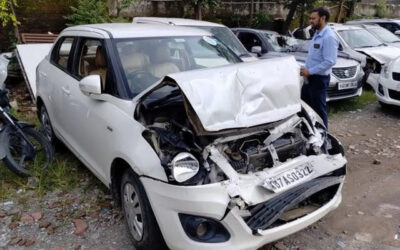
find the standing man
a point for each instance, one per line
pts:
(322, 55)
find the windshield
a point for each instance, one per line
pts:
(359, 38)
(281, 43)
(226, 36)
(146, 60)
(384, 34)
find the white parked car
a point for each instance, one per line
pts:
(388, 86)
(202, 158)
(361, 45)
(347, 75)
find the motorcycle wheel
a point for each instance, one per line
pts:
(23, 159)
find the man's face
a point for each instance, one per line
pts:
(316, 20)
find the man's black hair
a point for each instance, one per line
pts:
(322, 12)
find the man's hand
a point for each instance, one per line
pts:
(304, 72)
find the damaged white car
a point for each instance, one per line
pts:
(387, 89)
(199, 158)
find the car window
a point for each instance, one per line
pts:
(92, 60)
(389, 26)
(384, 34)
(249, 40)
(359, 38)
(144, 61)
(226, 36)
(281, 43)
(62, 52)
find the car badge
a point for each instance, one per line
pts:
(346, 73)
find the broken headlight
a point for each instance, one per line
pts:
(184, 166)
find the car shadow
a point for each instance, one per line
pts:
(390, 110)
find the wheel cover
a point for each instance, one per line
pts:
(133, 211)
(44, 117)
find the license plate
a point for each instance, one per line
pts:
(290, 178)
(347, 85)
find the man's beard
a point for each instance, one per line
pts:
(317, 26)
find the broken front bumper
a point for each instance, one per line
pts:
(246, 230)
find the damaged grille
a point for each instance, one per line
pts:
(265, 214)
(394, 94)
(345, 73)
(396, 76)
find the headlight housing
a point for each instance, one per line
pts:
(184, 166)
(385, 72)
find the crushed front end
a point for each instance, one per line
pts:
(237, 188)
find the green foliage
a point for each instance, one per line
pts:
(87, 12)
(204, 3)
(381, 9)
(261, 20)
(6, 13)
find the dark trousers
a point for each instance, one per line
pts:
(314, 94)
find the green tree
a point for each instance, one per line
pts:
(198, 5)
(300, 6)
(7, 14)
(88, 11)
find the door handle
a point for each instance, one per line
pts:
(66, 91)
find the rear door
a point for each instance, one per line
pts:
(56, 76)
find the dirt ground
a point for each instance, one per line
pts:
(368, 218)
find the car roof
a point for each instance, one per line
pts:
(376, 20)
(339, 26)
(256, 30)
(130, 30)
(175, 21)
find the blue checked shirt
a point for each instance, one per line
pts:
(322, 52)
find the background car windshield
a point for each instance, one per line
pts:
(145, 61)
(281, 43)
(384, 35)
(227, 37)
(359, 38)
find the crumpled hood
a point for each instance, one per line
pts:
(382, 54)
(242, 95)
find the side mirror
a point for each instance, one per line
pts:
(397, 32)
(91, 85)
(340, 48)
(257, 50)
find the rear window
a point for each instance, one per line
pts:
(62, 52)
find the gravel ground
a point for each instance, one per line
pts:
(368, 218)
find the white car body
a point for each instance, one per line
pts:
(112, 135)
(372, 59)
(387, 88)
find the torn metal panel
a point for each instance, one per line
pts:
(382, 54)
(29, 57)
(242, 95)
(250, 187)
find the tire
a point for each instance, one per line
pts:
(20, 158)
(139, 217)
(48, 131)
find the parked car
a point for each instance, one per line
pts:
(388, 85)
(220, 31)
(393, 25)
(362, 46)
(347, 74)
(382, 34)
(204, 158)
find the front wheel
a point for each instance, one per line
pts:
(21, 158)
(139, 217)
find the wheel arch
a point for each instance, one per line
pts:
(118, 167)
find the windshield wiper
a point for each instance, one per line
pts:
(366, 46)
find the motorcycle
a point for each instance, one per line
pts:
(22, 147)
